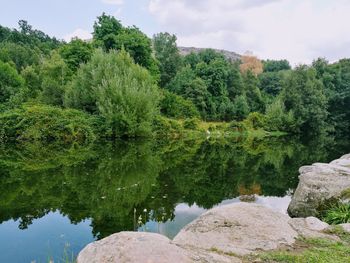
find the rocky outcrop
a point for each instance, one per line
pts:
(223, 234)
(133, 247)
(319, 183)
(238, 229)
(231, 56)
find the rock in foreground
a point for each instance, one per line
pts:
(318, 183)
(133, 247)
(222, 234)
(239, 229)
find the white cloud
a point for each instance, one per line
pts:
(113, 2)
(79, 33)
(297, 30)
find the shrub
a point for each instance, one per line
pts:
(277, 119)
(237, 126)
(165, 127)
(255, 120)
(191, 124)
(10, 82)
(113, 86)
(175, 106)
(46, 123)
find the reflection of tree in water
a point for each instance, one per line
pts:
(115, 184)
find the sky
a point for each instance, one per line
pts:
(297, 30)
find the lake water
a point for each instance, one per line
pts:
(54, 200)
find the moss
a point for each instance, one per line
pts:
(218, 251)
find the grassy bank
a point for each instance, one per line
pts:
(316, 250)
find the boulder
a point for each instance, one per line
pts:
(146, 247)
(222, 234)
(346, 227)
(318, 183)
(238, 229)
(311, 227)
(133, 247)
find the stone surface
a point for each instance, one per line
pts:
(133, 247)
(317, 183)
(148, 248)
(310, 227)
(239, 228)
(232, 56)
(222, 234)
(346, 227)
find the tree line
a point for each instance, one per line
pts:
(121, 82)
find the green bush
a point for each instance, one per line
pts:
(277, 119)
(46, 123)
(191, 124)
(165, 127)
(175, 106)
(255, 120)
(237, 126)
(111, 85)
(10, 82)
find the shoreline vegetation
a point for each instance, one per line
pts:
(122, 84)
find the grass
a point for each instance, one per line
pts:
(338, 214)
(312, 251)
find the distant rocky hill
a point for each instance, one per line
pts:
(232, 56)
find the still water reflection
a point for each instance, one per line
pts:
(54, 200)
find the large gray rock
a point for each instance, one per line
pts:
(318, 183)
(238, 229)
(222, 234)
(311, 227)
(346, 227)
(133, 247)
(146, 247)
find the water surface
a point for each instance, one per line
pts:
(54, 199)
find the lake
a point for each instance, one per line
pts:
(55, 199)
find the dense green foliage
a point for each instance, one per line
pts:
(46, 123)
(10, 82)
(112, 86)
(168, 55)
(115, 78)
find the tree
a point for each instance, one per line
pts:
(271, 82)
(112, 86)
(55, 74)
(175, 106)
(252, 92)
(75, 53)
(105, 29)
(251, 63)
(167, 53)
(304, 96)
(10, 82)
(241, 108)
(276, 65)
(139, 47)
(32, 81)
(19, 54)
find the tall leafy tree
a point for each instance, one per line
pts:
(105, 30)
(10, 82)
(304, 95)
(167, 53)
(75, 53)
(123, 93)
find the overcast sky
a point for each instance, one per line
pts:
(298, 30)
